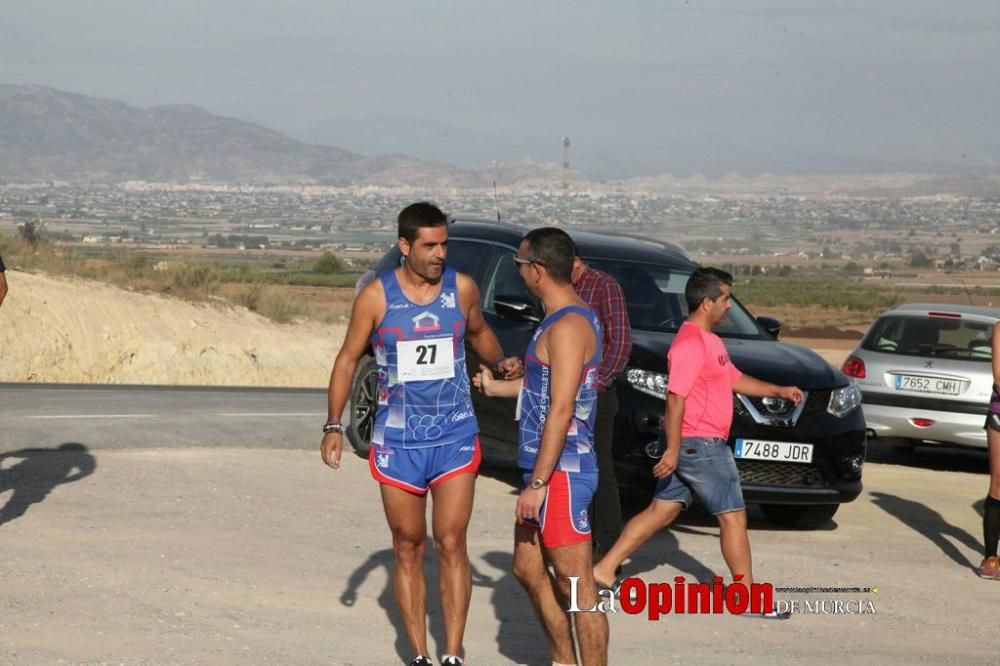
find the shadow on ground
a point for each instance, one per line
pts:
(928, 522)
(37, 472)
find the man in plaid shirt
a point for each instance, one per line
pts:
(605, 297)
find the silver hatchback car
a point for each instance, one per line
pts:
(925, 374)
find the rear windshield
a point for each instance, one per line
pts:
(941, 337)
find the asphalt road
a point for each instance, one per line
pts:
(146, 542)
(159, 416)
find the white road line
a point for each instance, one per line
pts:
(270, 414)
(94, 416)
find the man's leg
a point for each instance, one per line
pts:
(606, 509)
(990, 567)
(637, 531)
(451, 512)
(531, 571)
(735, 544)
(591, 628)
(405, 513)
(714, 477)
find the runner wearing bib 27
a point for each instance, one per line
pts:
(416, 319)
(425, 430)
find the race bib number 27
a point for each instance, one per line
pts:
(422, 360)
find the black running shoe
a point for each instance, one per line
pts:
(452, 661)
(421, 661)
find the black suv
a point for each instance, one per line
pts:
(799, 462)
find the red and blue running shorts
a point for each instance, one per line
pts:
(564, 519)
(416, 470)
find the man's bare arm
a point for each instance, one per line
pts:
(565, 347)
(3, 286)
(495, 388)
(365, 315)
(673, 417)
(368, 306)
(747, 385)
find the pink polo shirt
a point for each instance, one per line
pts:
(702, 373)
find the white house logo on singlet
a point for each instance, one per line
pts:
(448, 300)
(426, 321)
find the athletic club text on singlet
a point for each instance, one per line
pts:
(423, 385)
(578, 451)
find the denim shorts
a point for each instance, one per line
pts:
(706, 468)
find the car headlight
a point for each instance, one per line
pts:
(650, 383)
(844, 400)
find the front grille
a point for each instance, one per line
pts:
(766, 473)
(817, 402)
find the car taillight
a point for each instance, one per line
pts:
(854, 367)
(922, 423)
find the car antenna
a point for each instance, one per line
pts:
(496, 198)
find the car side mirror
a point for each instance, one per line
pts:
(771, 325)
(516, 309)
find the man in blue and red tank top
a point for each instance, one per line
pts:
(558, 405)
(416, 319)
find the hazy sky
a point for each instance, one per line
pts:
(639, 87)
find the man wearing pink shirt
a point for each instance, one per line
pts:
(699, 411)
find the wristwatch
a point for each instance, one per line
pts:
(538, 484)
(333, 427)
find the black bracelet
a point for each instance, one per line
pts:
(333, 426)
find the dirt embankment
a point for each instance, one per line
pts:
(71, 330)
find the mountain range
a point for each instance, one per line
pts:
(48, 134)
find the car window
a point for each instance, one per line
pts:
(654, 295)
(925, 336)
(464, 256)
(506, 281)
(467, 257)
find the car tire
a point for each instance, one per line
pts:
(364, 401)
(799, 516)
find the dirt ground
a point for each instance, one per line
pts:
(222, 556)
